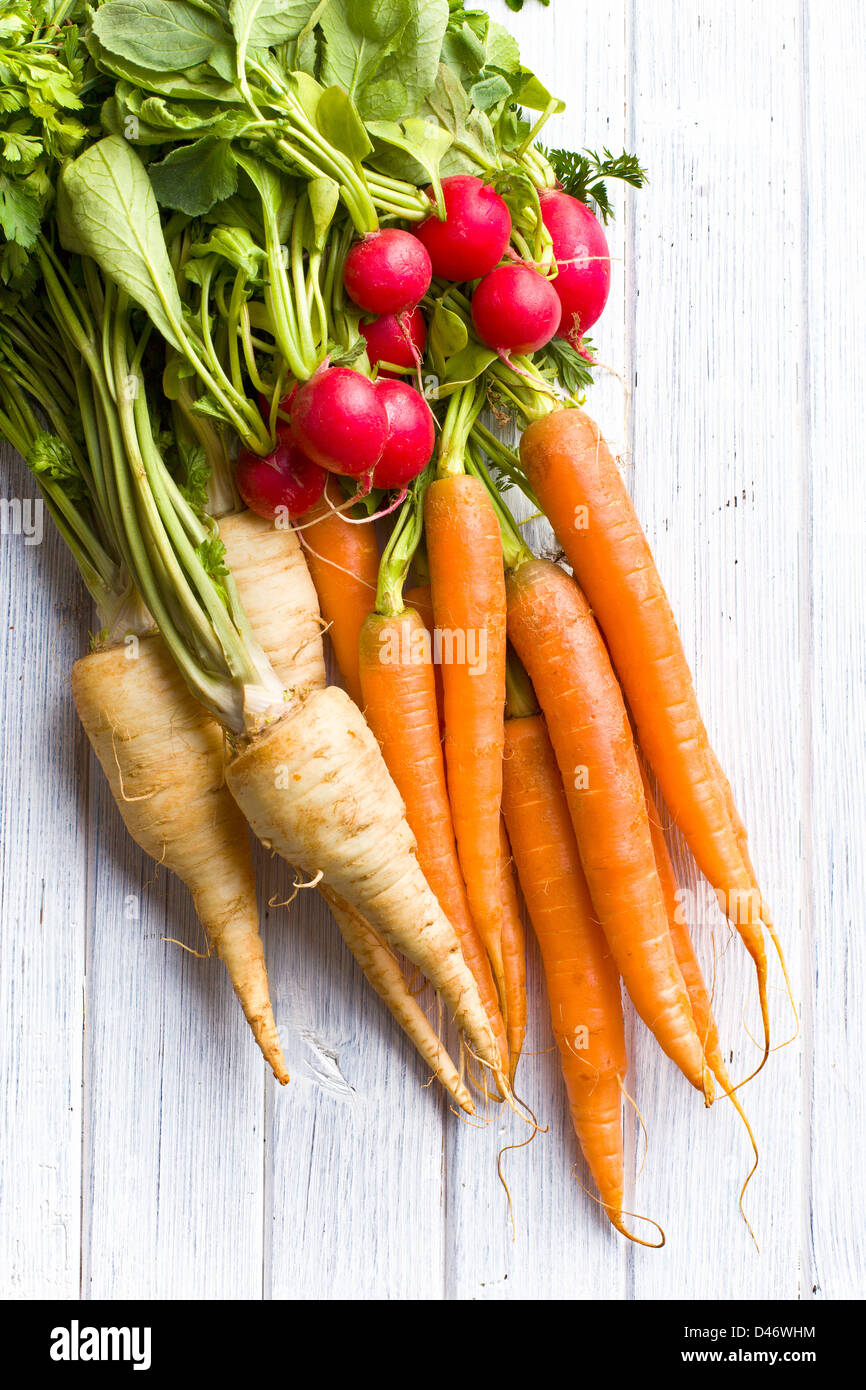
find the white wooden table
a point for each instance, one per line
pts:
(143, 1151)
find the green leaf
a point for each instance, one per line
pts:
(192, 178)
(324, 196)
(490, 92)
(358, 35)
(448, 337)
(569, 367)
(196, 476)
(161, 35)
(20, 212)
(265, 23)
(338, 120)
(469, 364)
(464, 50)
(425, 142)
(110, 212)
(503, 51)
(415, 62)
(473, 142)
(235, 245)
(583, 175)
(49, 457)
(212, 554)
(309, 93)
(531, 92)
(199, 83)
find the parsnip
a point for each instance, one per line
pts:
(279, 598)
(163, 757)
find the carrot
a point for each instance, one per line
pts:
(421, 599)
(399, 698)
(383, 972)
(552, 629)
(582, 980)
(513, 953)
(314, 787)
(468, 588)
(575, 478)
(343, 557)
(163, 756)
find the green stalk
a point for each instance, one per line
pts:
(507, 461)
(400, 550)
(464, 407)
(514, 547)
(520, 701)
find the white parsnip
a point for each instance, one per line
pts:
(279, 598)
(163, 756)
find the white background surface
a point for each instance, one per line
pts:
(143, 1151)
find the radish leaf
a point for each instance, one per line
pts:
(111, 213)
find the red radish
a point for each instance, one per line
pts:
(388, 272)
(286, 478)
(515, 309)
(340, 422)
(411, 436)
(400, 341)
(476, 230)
(580, 247)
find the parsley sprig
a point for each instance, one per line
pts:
(583, 175)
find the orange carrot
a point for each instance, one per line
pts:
(582, 980)
(468, 587)
(577, 483)
(513, 953)
(421, 599)
(553, 632)
(399, 696)
(343, 557)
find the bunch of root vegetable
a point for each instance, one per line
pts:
(265, 267)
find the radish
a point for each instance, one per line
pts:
(400, 342)
(340, 422)
(286, 478)
(411, 436)
(389, 272)
(476, 230)
(581, 249)
(516, 310)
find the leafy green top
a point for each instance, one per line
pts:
(40, 83)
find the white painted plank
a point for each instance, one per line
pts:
(717, 446)
(173, 1092)
(563, 1247)
(43, 908)
(835, 561)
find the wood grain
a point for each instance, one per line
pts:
(143, 1151)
